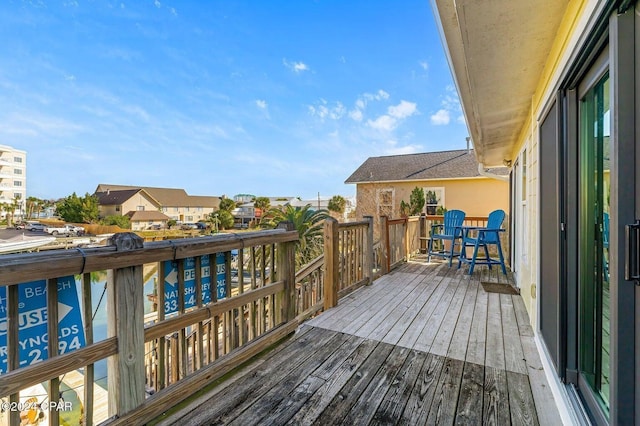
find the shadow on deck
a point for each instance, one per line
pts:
(425, 344)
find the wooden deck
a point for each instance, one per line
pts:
(422, 345)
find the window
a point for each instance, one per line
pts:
(385, 199)
(17, 183)
(140, 208)
(117, 208)
(434, 200)
(17, 159)
(17, 171)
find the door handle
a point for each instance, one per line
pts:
(631, 258)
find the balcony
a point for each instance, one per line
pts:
(367, 333)
(422, 345)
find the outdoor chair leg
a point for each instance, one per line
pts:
(453, 246)
(504, 270)
(473, 259)
(486, 253)
(429, 249)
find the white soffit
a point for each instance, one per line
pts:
(497, 50)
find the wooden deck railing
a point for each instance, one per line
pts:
(187, 345)
(221, 321)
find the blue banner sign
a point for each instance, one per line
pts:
(171, 282)
(32, 319)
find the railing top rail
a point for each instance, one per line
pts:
(26, 267)
(466, 218)
(353, 224)
(395, 221)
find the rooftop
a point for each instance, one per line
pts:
(453, 164)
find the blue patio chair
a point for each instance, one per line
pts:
(449, 230)
(483, 237)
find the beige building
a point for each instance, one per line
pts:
(451, 178)
(173, 202)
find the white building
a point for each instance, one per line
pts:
(13, 177)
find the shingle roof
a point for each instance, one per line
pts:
(167, 197)
(145, 215)
(429, 165)
(115, 198)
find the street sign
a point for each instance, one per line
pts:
(171, 282)
(32, 319)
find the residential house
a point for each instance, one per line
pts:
(173, 202)
(121, 202)
(245, 213)
(550, 88)
(452, 178)
(141, 220)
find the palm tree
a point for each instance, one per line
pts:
(308, 223)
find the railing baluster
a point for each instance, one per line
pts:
(87, 308)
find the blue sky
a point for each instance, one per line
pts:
(271, 98)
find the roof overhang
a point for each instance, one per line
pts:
(497, 51)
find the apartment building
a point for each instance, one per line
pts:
(13, 177)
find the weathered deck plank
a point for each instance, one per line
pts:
(424, 345)
(396, 398)
(514, 357)
(469, 410)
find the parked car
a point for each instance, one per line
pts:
(187, 226)
(21, 225)
(201, 225)
(34, 226)
(64, 230)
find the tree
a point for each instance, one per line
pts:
(226, 219)
(121, 221)
(227, 204)
(78, 209)
(308, 223)
(416, 201)
(32, 206)
(405, 209)
(262, 203)
(337, 204)
(221, 219)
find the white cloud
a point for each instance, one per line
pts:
(461, 119)
(403, 110)
(157, 4)
(70, 77)
(395, 113)
(440, 118)
(296, 67)
(424, 65)
(356, 115)
(402, 150)
(262, 104)
(173, 11)
(384, 122)
(324, 110)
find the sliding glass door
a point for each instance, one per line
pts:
(594, 210)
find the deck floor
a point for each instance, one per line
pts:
(422, 345)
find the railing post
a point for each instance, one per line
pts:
(407, 244)
(126, 322)
(331, 263)
(423, 233)
(384, 245)
(368, 250)
(286, 269)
